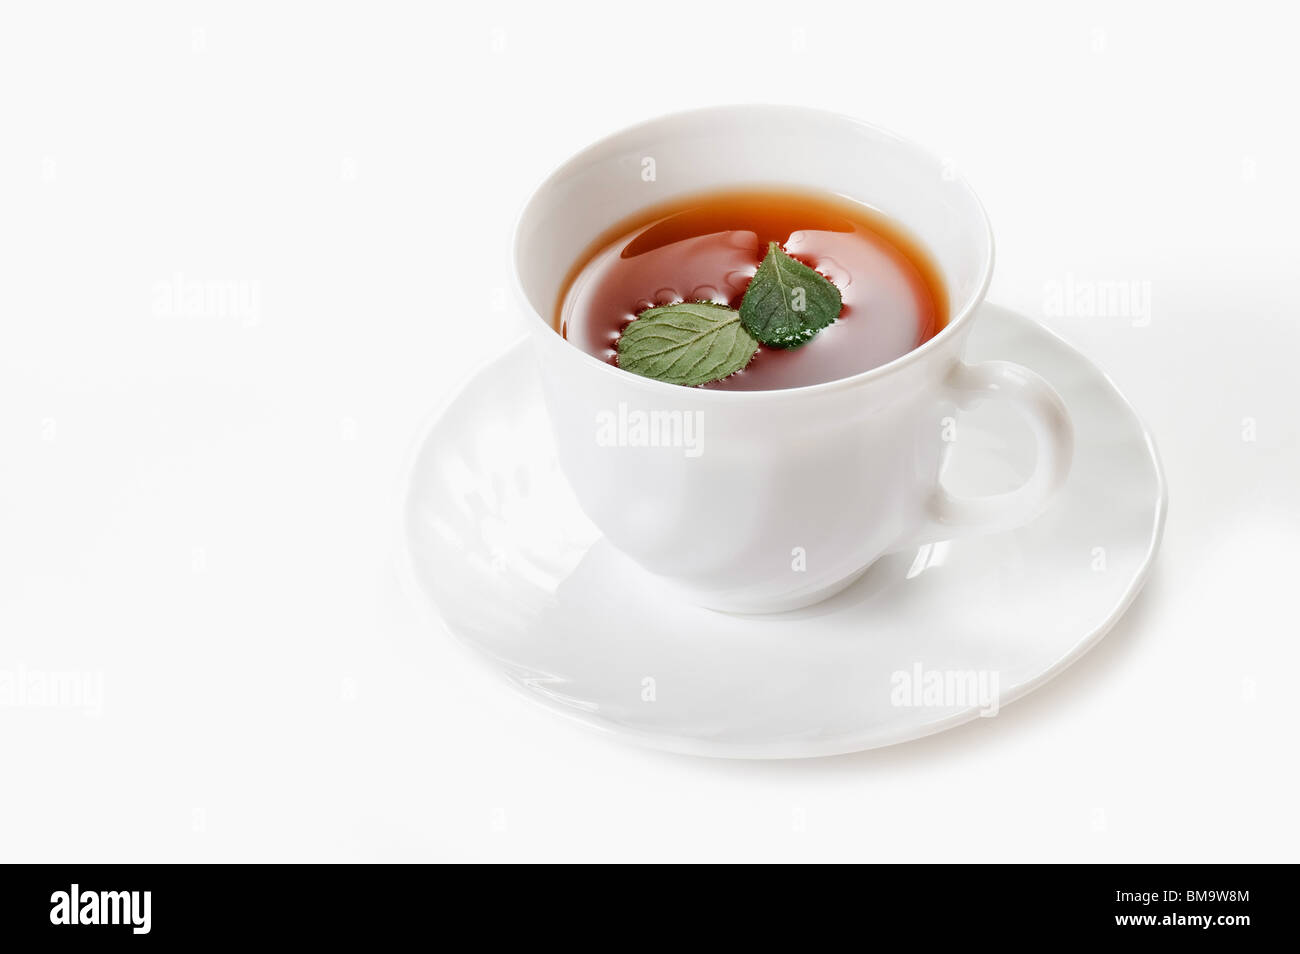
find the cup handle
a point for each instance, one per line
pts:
(947, 515)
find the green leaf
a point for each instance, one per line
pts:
(787, 302)
(691, 342)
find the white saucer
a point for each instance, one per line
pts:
(496, 542)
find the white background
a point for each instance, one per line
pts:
(199, 506)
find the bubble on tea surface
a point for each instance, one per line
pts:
(707, 293)
(740, 278)
(803, 245)
(836, 272)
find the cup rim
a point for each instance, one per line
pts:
(955, 322)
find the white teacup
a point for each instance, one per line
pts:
(762, 501)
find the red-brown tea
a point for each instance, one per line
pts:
(707, 248)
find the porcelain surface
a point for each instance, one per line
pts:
(498, 546)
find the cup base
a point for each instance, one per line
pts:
(752, 606)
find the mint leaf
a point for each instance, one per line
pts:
(691, 342)
(787, 302)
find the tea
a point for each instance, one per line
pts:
(708, 247)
